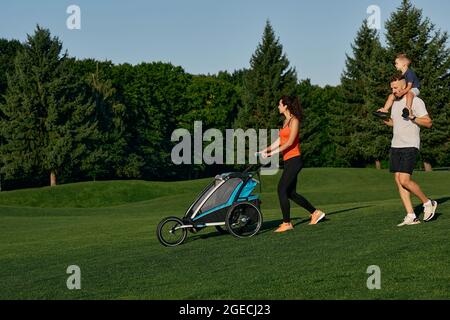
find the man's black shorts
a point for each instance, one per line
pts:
(403, 160)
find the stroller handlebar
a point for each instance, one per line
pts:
(257, 165)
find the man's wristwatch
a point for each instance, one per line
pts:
(413, 118)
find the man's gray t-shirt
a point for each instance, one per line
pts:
(406, 132)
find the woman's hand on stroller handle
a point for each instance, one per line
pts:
(262, 154)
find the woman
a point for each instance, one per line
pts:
(288, 144)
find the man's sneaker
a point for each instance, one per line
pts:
(429, 211)
(409, 222)
(316, 217)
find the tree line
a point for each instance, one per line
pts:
(64, 119)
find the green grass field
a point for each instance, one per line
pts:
(108, 229)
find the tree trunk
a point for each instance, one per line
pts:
(427, 166)
(378, 164)
(52, 179)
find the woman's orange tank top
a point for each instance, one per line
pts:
(292, 151)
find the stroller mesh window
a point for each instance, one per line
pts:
(200, 200)
(221, 195)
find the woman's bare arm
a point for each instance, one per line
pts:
(295, 124)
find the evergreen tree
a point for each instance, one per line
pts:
(365, 88)
(104, 154)
(268, 79)
(43, 111)
(8, 51)
(409, 32)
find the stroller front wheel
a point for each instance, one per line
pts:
(170, 232)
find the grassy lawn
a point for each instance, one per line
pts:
(108, 229)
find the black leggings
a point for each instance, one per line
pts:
(287, 186)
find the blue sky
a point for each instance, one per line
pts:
(206, 36)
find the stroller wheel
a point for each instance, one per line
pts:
(243, 220)
(169, 232)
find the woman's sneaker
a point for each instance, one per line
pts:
(429, 211)
(408, 221)
(284, 227)
(316, 217)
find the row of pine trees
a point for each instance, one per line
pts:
(64, 120)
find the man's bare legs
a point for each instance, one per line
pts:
(406, 186)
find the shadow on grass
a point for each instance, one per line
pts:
(273, 224)
(269, 225)
(418, 210)
(204, 234)
(346, 210)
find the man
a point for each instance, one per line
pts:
(405, 149)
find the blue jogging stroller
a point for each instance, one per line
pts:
(227, 203)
